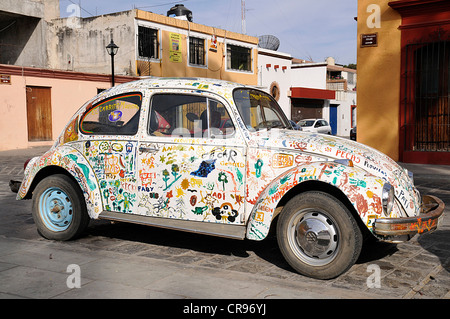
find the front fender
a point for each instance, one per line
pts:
(363, 190)
(72, 161)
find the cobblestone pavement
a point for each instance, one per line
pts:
(131, 261)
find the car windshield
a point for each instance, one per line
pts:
(259, 110)
(304, 123)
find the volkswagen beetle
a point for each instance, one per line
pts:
(156, 152)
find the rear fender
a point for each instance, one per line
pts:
(362, 190)
(73, 162)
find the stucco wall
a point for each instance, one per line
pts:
(79, 45)
(268, 75)
(379, 77)
(67, 95)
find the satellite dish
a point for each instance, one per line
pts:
(269, 42)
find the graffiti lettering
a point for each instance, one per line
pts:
(349, 156)
(226, 154)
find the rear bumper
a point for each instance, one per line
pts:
(14, 186)
(401, 229)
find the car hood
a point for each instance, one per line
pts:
(328, 147)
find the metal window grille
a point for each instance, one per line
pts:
(148, 46)
(427, 93)
(239, 58)
(196, 51)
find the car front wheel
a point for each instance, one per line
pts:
(59, 210)
(318, 235)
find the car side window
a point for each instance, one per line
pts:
(115, 115)
(187, 115)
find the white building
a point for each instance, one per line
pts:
(310, 89)
(274, 76)
(343, 107)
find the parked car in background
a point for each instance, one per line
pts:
(353, 133)
(295, 125)
(315, 125)
(220, 158)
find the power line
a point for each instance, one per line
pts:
(79, 5)
(161, 5)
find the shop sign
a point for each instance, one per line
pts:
(5, 79)
(175, 48)
(369, 40)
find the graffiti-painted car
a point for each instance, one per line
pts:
(154, 152)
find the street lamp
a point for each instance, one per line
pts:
(112, 49)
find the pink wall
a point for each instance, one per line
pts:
(69, 91)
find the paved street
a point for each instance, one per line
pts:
(132, 261)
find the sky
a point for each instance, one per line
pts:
(307, 29)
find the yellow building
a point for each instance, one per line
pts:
(403, 79)
(187, 49)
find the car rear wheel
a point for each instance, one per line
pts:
(318, 235)
(59, 209)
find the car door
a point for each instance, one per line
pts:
(110, 130)
(190, 167)
(318, 126)
(326, 127)
(321, 128)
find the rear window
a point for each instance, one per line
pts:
(118, 115)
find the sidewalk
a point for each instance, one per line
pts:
(428, 170)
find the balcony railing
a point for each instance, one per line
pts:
(337, 85)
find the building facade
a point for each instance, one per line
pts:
(50, 66)
(24, 26)
(152, 45)
(37, 103)
(403, 86)
(324, 90)
(342, 81)
(274, 76)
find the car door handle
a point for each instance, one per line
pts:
(148, 149)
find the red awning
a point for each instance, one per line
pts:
(307, 93)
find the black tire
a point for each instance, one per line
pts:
(59, 210)
(318, 235)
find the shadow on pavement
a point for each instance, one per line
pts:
(438, 243)
(266, 249)
(374, 250)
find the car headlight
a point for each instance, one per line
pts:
(387, 199)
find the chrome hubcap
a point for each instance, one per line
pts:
(313, 237)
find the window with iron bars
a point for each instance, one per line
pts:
(427, 97)
(239, 58)
(197, 51)
(148, 46)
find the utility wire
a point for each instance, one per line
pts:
(162, 5)
(81, 8)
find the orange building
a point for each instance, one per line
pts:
(403, 79)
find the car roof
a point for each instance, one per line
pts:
(204, 84)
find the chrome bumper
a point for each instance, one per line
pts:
(401, 229)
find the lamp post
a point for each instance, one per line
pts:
(112, 49)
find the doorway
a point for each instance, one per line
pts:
(333, 118)
(39, 113)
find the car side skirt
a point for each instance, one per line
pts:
(214, 229)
